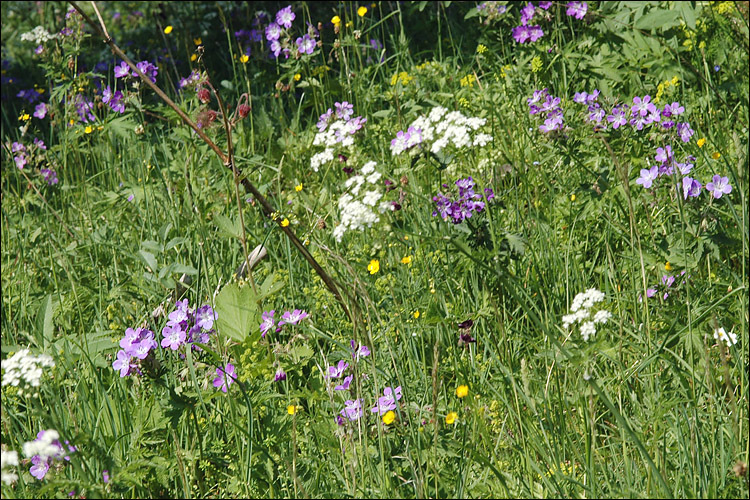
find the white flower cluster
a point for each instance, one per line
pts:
(357, 209)
(335, 128)
(581, 312)
(46, 445)
(24, 368)
(730, 338)
(8, 459)
(439, 129)
(38, 35)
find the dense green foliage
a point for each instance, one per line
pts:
(518, 402)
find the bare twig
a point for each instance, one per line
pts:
(267, 208)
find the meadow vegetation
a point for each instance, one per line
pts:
(388, 249)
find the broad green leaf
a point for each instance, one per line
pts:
(149, 259)
(44, 321)
(237, 311)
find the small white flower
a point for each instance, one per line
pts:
(602, 316)
(587, 330)
(730, 338)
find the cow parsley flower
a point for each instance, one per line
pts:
(581, 309)
(23, 369)
(8, 459)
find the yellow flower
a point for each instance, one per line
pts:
(349, 24)
(573, 197)
(285, 222)
(362, 11)
(193, 57)
(244, 58)
(416, 314)
(292, 409)
(389, 417)
(701, 142)
(24, 117)
(197, 41)
(668, 266)
(298, 187)
(451, 418)
(406, 260)
(168, 30)
(481, 49)
(336, 20)
(297, 77)
(374, 266)
(462, 391)
(88, 129)
(716, 155)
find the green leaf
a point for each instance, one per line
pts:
(658, 18)
(237, 311)
(44, 322)
(228, 226)
(149, 259)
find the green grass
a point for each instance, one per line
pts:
(650, 406)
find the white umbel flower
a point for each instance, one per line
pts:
(24, 369)
(8, 459)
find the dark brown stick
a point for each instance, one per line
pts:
(249, 186)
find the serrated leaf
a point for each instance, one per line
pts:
(228, 226)
(237, 311)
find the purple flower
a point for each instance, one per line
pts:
(338, 370)
(225, 377)
(554, 122)
(16, 147)
(293, 317)
(648, 176)
(388, 401)
(285, 16)
(664, 155)
(324, 119)
(535, 33)
(690, 187)
(352, 410)
(49, 175)
(344, 110)
(275, 47)
(147, 69)
(40, 467)
(280, 375)
(205, 317)
(305, 44)
(527, 13)
(174, 337)
(719, 186)
(521, 33)
(20, 161)
(577, 9)
(40, 111)
(537, 96)
(545, 5)
(345, 384)
(267, 323)
(273, 32)
(105, 476)
(359, 351)
(685, 131)
(39, 143)
(122, 363)
(642, 106)
(617, 118)
(122, 70)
